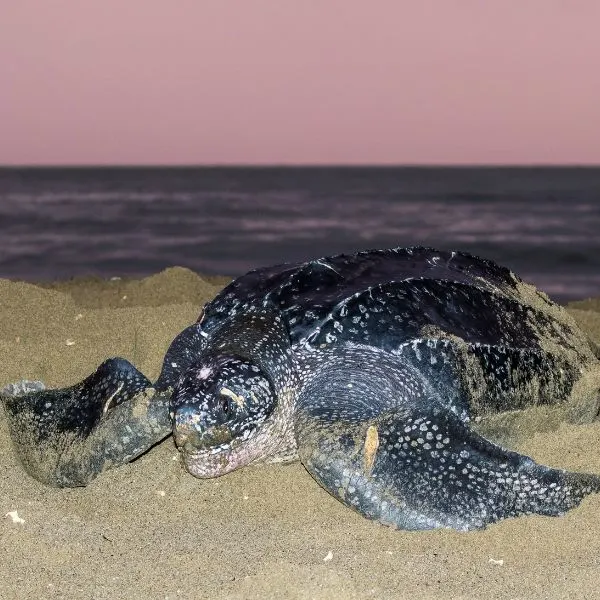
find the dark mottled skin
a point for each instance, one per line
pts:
(391, 374)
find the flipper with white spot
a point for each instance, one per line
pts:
(387, 447)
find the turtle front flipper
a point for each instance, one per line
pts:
(380, 444)
(66, 437)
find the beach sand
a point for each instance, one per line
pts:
(150, 530)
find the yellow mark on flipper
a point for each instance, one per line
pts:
(371, 445)
(111, 397)
(239, 400)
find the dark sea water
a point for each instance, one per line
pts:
(544, 223)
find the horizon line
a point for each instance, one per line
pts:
(432, 165)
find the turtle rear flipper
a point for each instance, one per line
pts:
(416, 465)
(66, 437)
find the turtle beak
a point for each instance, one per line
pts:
(190, 436)
(186, 438)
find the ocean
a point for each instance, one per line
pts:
(57, 223)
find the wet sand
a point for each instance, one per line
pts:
(150, 530)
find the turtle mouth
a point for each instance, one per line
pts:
(190, 441)
(206, 453)
(211, 461)
(206, 464)
(214, 452)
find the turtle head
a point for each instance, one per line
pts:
(221, 410)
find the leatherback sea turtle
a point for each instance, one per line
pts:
(398, 377)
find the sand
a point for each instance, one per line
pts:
(150, 530)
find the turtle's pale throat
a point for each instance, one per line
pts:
(215, 461)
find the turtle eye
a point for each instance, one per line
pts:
(230, 400)
(225, 405)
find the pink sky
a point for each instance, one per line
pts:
(302, 81)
